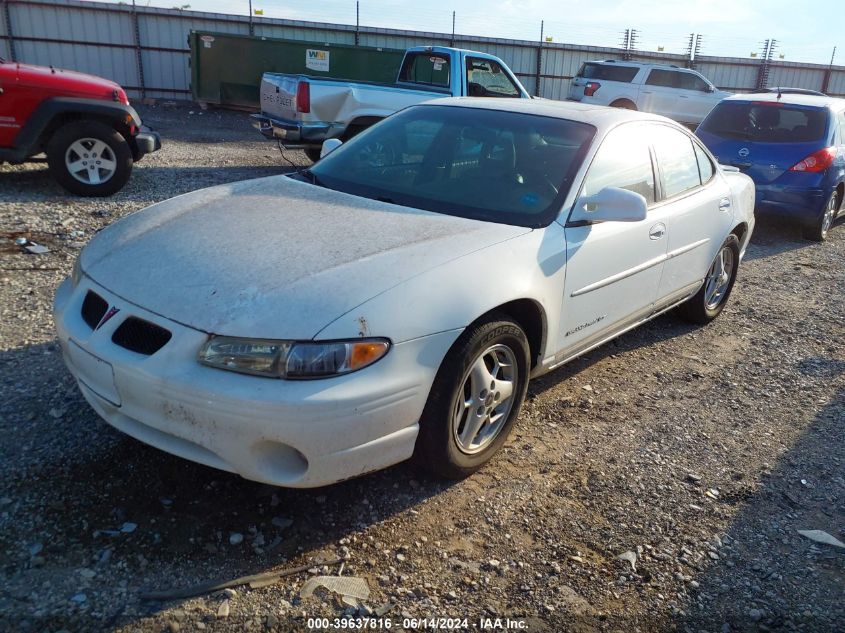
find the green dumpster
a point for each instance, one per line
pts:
(226, 69)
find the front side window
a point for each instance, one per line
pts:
(425, 68)
(493, 165)
(677, 160)
(485, 78)
(691, 81)
(623, 161)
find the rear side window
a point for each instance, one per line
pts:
(705, 165)
(485, 78)
(677, 160)
(766, 122)
(429, 69)
(623, 161)
(664, 78)
(608, 72)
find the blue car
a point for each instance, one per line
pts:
(793, 148)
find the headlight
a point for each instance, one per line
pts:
(76, 272)
(290, 359)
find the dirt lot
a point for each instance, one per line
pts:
(700, 450)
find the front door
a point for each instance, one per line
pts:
(9, 118)
(613, 269)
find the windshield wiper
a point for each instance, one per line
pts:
(311, 176)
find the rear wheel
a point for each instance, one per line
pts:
(475, 398)
(818, 232)
(711, 298)
(624, 104)
(89, 158)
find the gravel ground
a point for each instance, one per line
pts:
(699, 451)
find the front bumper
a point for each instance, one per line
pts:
(288, 433)
(294, 134)
(146, 141)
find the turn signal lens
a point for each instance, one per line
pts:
(816, 162)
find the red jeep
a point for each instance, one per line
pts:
(84, 124)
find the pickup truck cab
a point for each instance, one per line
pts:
(84, 124)
(302, 111)
(678, 93)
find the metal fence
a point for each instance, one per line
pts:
(145, 49)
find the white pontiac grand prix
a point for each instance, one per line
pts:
(393, 300)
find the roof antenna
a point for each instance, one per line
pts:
(779, 94)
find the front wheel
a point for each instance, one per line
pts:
(818, 232)
(475, 398)
(711, 298)
(89, 158)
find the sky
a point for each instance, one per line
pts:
(728, 27)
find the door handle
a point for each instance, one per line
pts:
(725, 205)
(657, 231)
(1, 90)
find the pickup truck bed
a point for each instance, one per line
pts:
(302, 111)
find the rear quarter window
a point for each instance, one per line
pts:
(766, 122)
(425, 68)
(608, 72)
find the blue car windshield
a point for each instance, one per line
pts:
(766, 122)
(494, 165)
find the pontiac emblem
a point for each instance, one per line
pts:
(108, 315)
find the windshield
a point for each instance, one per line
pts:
(766, 122)
(505, 167)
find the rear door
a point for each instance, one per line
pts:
(764, 139)
(659, 93)
(697, 205)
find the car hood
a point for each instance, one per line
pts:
(273, 257)
(66, 81)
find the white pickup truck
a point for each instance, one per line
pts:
(302, 111)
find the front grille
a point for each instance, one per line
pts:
(93, 308)
(140, 336)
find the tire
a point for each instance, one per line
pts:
(625, 104)
(446, 446)
(313, 154)
(818, 232)
(711, 298)
(74, 144)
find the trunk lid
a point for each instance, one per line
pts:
(278, 95)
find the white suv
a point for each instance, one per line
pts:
(680, 94)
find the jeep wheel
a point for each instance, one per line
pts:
(89, 158)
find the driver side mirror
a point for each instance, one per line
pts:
(330, 145)
(611, 204)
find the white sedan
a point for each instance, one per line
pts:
(393, 300)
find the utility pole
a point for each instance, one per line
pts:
(251, 26)
(7, 18)
(765, 63)
(828, 72)
(629, 42)
(452, 41)
(539, 62)
(357, 22)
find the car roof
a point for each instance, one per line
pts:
(601, 117)
(639, 64)
(818, 101)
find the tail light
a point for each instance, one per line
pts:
(816, 162)
(303, 97)
(591, 88)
